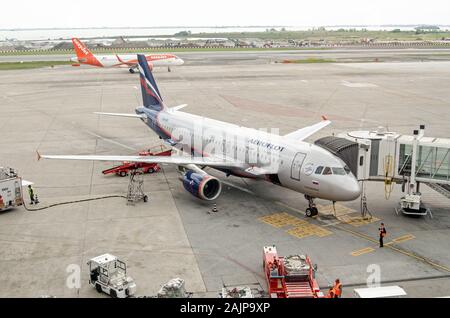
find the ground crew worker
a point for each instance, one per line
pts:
(382, 230)
(31, 193)
(275, 263)
(330, 292)
(337, 288)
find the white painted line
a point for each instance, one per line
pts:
(110, 141)
(358, 85)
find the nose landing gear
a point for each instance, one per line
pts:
(312, 209)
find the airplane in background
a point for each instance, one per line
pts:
(299, 165)
(85, 56)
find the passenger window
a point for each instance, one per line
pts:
(319, 170)
(327, 170)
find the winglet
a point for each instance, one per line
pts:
(38, 155)
(324, 117)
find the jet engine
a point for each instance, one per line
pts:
(201, 185)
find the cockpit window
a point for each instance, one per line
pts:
(327, 170)
(319, 170)
(339, 171)
(347, 169)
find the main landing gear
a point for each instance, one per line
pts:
(312, 209)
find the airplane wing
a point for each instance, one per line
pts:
(305, 132)
(149, 159)
(259, 171)
(129, 63)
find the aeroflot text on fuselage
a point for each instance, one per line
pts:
(266, 145)
(223, 145)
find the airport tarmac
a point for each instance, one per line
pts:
(176, 235)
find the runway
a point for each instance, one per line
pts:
(262, 57)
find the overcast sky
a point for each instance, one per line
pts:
(138, 13)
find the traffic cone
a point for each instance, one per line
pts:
(214, 209)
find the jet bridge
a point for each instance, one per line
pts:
(388, 156)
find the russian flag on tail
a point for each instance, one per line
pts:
(150, 93)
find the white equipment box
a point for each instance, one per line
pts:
(10, 189)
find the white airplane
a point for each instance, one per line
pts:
(287, 161)
(84, 56)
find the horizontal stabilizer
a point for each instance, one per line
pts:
(177, 107)
(121, 115)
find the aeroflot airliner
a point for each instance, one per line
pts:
(84, 56)
(287, 160)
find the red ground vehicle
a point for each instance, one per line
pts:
(124, 169)
(289, 277)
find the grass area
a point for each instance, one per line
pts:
(311, 60)
(30, 65)
(147, 50)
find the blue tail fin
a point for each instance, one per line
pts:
(150, 93)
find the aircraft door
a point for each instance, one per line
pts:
(297, 165)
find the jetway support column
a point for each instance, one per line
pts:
(411, 202)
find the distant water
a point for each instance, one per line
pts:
(56, 34)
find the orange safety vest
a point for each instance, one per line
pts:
(331, 293)
(337, 289)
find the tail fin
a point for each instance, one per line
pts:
(150, 92)
(84, 56)
(81, 49)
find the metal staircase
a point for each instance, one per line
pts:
(298, 290)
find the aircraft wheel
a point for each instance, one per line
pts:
(98, 288)
(145, 198)
(151, 170)
(122, 174)
(131, 71)
(309, 212)
(315, 211)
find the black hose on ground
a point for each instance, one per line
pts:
(71, 202)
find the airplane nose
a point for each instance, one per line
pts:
(180, 61)
(74, 59)
(353, 190)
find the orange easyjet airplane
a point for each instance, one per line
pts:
(84, 56)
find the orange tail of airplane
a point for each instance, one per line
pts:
(83, 54)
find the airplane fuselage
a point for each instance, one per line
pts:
(128, 60)
(296, 164)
